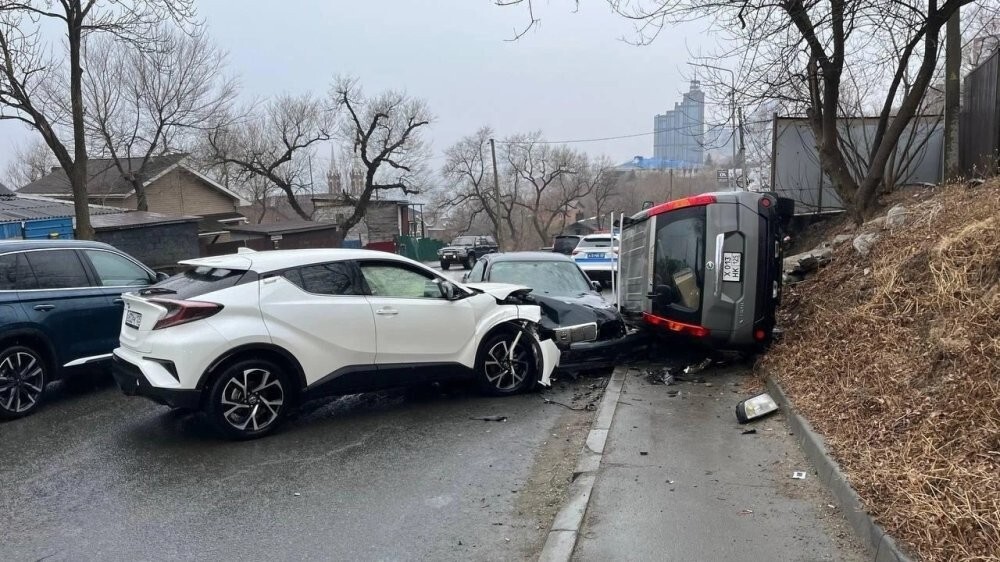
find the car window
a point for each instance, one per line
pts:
(57, 269)
(477, 271)
(324, 279)
(200, 280)
(117, 271)
(388, 280)
(565, 244)
(464, 241)
(15, 273)
(548, 277)
(596, 243)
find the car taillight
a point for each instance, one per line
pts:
(182, 312)
(674, 326)
(694, 201)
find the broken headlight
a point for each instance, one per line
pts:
(565, 335)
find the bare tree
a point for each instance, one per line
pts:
(787, 48)
(145, 103)
(30, 162)
(468, 173)
(554, 180)
(606, 188)
(385, 134)
(275, 142)
(32, 81)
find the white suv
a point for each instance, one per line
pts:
(245, 336)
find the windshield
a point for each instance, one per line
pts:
(546, 277)
(596, 243)
(464, 241)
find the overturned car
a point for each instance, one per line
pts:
(589, 331)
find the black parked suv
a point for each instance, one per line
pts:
(60, 309)
(465, 250)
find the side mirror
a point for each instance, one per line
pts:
(161, 276)
(447, 290)
(596, 285)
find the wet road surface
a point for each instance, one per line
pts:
(394, 475)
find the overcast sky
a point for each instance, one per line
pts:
(572, 77)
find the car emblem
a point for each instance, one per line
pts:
(710, 266)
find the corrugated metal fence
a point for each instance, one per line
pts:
(979, 127)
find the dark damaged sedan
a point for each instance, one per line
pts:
(588, 330)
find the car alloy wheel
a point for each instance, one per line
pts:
(22, 381)
(504, 373)
(252, 400)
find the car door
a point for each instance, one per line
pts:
(115, 274)
(319, 313)
(63, 302)
(414, 323)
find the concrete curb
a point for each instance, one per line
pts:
(566, 527)
(870, 533)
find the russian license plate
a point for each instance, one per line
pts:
(133, 319)
(597, 256)
(732, 265)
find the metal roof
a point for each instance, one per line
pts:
(104, 177)
(137, 219)
(20, 209)
(281, 227)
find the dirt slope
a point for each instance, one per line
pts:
(895, 359)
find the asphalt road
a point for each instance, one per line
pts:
(387, 476)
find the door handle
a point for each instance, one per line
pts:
(44, 307)
(387, 312)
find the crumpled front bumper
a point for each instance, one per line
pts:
(600, 354)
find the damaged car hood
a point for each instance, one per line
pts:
(498, 291)
(570, 311)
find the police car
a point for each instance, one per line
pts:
(597, 256)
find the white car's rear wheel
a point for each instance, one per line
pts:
(500, 372)
(249, 399)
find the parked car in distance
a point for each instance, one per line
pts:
(60, 308)
(465, 250)
(597, 256)
(589, 331)
(565, 243)
(244, 337)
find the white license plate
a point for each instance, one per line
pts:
(732, 265)
(592, 255)
(133, 319)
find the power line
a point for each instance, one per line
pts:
(579, 140)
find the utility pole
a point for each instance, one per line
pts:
(952, 92)
(496, 194)
(732, 101)
(743, 152)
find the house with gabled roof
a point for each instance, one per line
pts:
(172, 184)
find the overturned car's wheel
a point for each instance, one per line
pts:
(249, 399)
(22, 381)
(499, 372)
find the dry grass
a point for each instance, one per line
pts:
(900, 371)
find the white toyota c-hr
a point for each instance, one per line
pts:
(244, 337)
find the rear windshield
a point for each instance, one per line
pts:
(198, 281)
(565, 244)
(596, 243)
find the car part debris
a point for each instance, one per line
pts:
(660, 376)
(746, 512)
(799, 475)
(491, 418)
(643, 453)
(755, 408)
(698, 367)
(749, 432)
